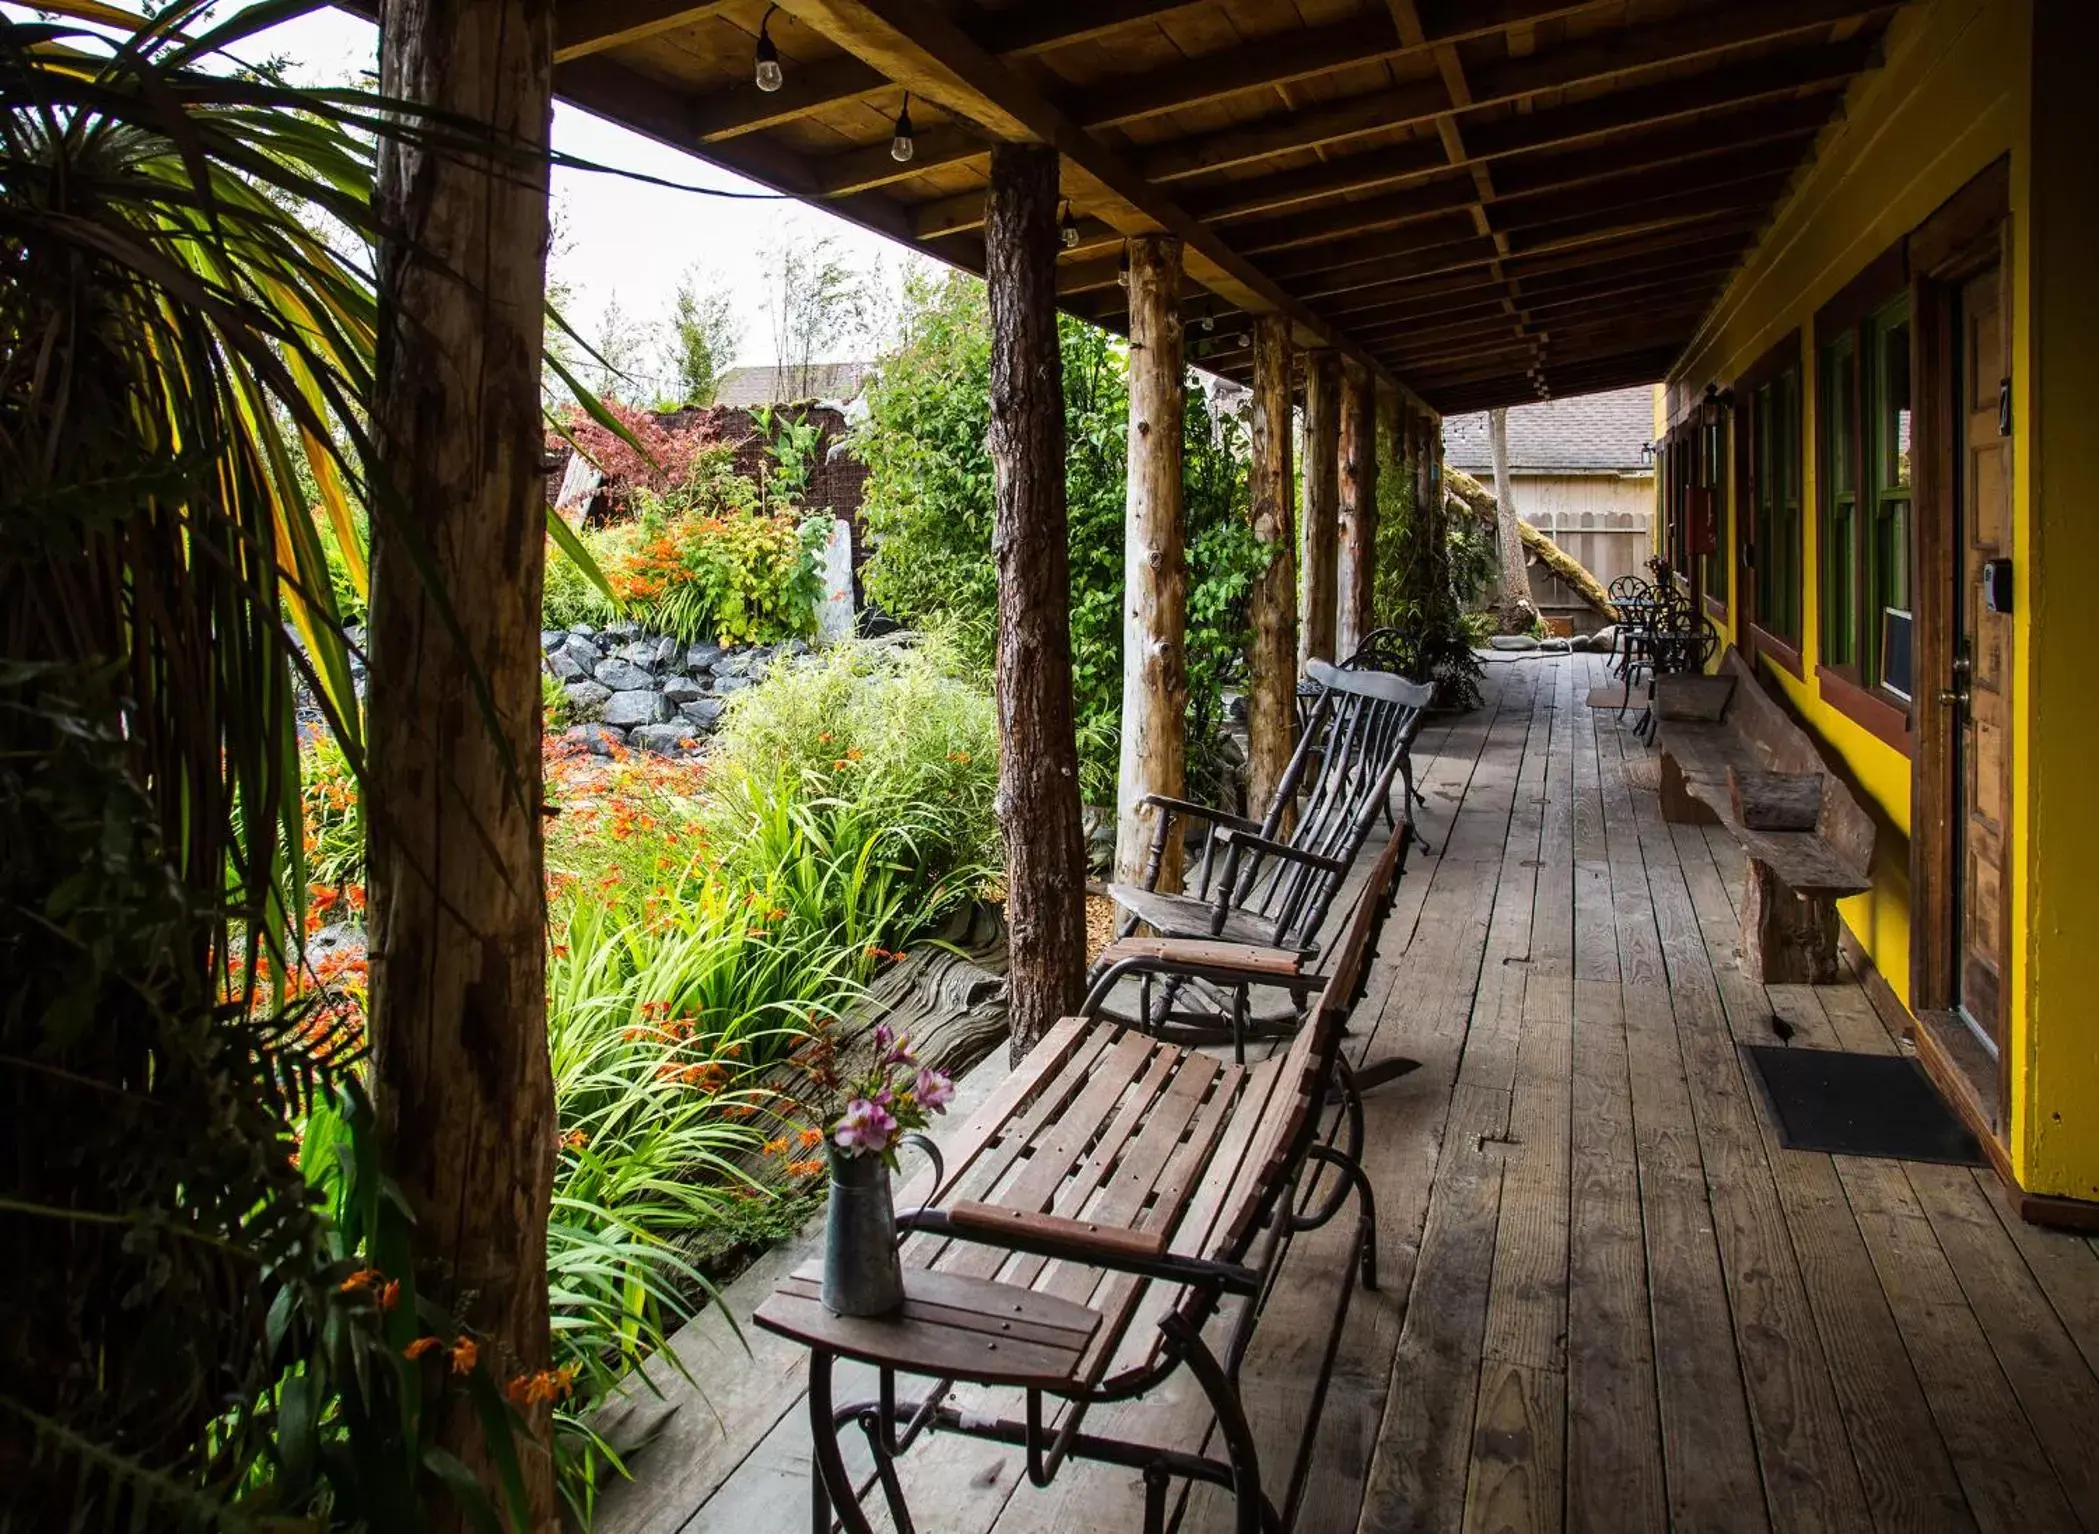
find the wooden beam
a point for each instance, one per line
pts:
(1038, 792)
(923, 50)
(1154, 566)
(1271, 659)
(1699, 35)
(1356, 566)
(1322, 535)
(743, 108)
(584, 27)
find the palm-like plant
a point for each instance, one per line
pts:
(182, 357)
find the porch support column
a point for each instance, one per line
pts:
(1038, 774)
(1322, 534)
(458, 916)
(1271, 659)
(1154, 564)
(1358, 551)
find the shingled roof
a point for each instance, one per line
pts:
(748, 386)
(1585, 434)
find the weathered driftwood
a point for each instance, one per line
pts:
(1271, 659)
(1461, 490)
(1322, 469)
(1154, 563)
(1519, 609)
(1038, 787)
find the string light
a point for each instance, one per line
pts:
(768, 74)
(1068, 229)
(902, 147)
(1122, 271)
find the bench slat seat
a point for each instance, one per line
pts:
(1115, 1193)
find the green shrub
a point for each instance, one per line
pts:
(887, 737)
(929, 507)
(744, 576)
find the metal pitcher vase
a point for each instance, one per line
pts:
(862, 1276)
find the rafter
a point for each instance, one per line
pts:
(584, 27)
(1695, 36)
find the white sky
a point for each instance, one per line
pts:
(624, 238)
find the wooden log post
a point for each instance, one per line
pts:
(1271, 659)
(1154, 564)
(458, 919)
(1322, 469)
(1038, 788)
(1358, 552)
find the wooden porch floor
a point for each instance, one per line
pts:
(1611, 1302)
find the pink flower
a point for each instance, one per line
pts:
(867, 1126)
(934, 1090)
(889, 1048)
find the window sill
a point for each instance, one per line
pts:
(1868, 709)
(1716, 607)
(1768, 643)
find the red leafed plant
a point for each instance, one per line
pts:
(668, 459)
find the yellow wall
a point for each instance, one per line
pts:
(1956, 92)
(2058, 1151)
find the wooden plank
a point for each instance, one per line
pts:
(2003, 1469)
(1518, 1466)
(1615, 1479)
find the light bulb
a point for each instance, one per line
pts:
(901, 148)
(1068, 233)
(768, 74)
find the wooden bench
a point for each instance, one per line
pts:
(1117, 1211)
(1731, 756)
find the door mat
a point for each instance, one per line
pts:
(1860, 1105)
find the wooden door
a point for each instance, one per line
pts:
(1982, 655)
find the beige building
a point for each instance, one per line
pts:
(1580, 471)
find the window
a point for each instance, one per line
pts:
(1713, 566)
(1865, 426)
(1837, 413)
(1774, 502)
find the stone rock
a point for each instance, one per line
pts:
(582, 631)
(703, 656)
(598, 738)
(1512, 642)
(551, 639)
(795, 647)
(341, 937)
(563, 665)
(586, 698)
(585, 654)
(638, 652)
(666, 650)
(702, 714)
(664, 739)
(635, 706)
(622, 675)
(626, 628)
(681, 689)
(732, 682)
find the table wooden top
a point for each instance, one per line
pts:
(952, 1326)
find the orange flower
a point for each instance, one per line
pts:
(543, 1388)
(363, 1278)
(775, 1147)
(390, 1294)
(804, 1168)
(808, 1138)
(419, 1347)
(465, 1355)
(575, 1139)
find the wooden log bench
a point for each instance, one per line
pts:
(1116, 1212)
(1732, 757)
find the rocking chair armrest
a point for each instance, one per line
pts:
(1118, 1249)
(1210, 959)
(1189, 807)
(1253, 842)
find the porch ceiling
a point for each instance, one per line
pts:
(1484, 200)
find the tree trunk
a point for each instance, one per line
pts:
(1518, 610)
(1322, 534)
(457, 889)
(1271, 660)
(1154, 563)
(1464, 493)
(1038, 774)
(1358, 555)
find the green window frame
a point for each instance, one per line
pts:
(1865, 428)
(1769, 484)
